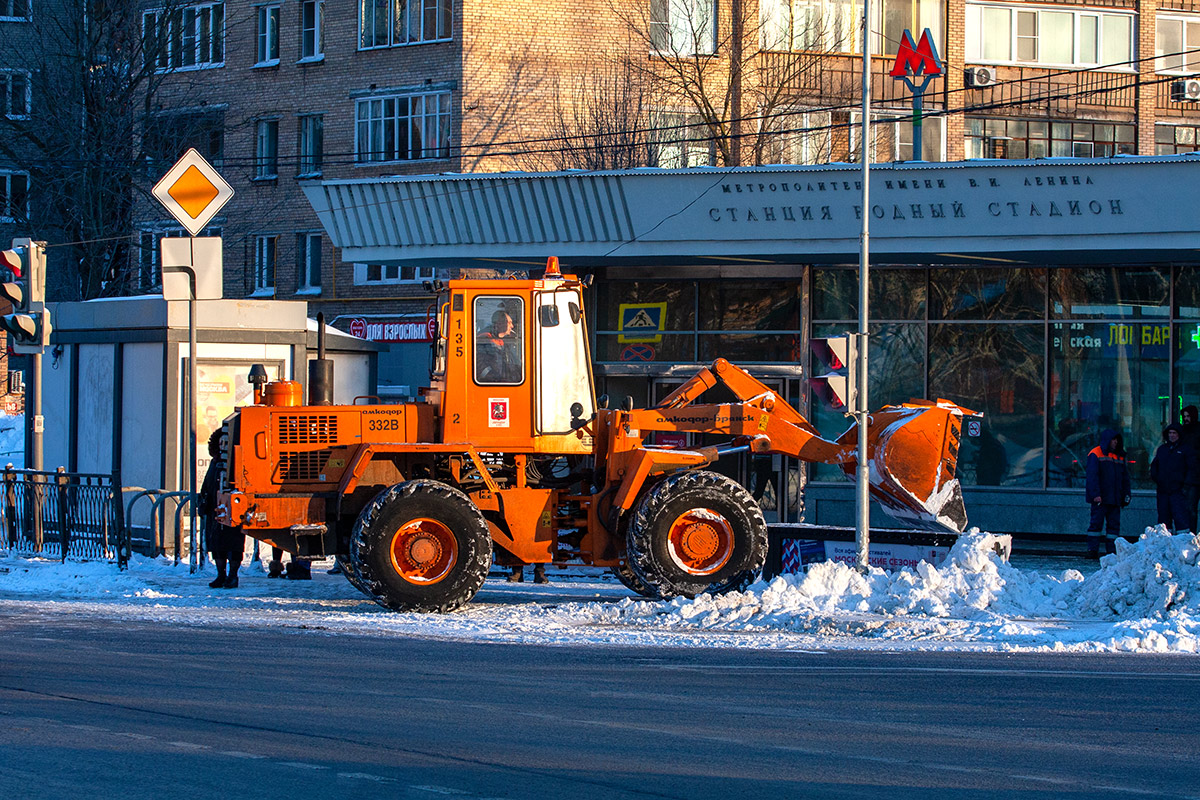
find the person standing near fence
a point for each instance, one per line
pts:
(226, 544)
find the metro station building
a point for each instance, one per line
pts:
(1057, 296)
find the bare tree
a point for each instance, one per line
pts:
(745, 73)
(91, 73)
(494, 96)
(602, 119)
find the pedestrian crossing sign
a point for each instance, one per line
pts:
(642, 322)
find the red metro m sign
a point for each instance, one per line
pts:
(916, 59)
(917, 62)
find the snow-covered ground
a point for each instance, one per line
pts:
(1144, 598)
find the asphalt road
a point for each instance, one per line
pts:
(92, 708)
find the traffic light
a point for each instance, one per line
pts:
(837, 388)
(23, 270)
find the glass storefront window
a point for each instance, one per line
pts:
(679, 296)
(997, 370)
(749, 305)
(896, 363)
(896, 294)
(1131, 291)
(751, 347)
(669, 347)
(1187, 368)
(1106, 375)
(987, 293)
(1187, 292)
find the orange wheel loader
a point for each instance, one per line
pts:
(509, 457)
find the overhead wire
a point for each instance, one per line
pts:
(1131, 80)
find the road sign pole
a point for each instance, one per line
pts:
(862, 504)
(37, 432)
(193, 191)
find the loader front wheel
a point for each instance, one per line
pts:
(420, 546)
(696, 532)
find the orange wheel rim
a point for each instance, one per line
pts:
(700, 541)
(423, 551)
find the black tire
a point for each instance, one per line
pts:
(719, 542)
(433, 531)
(632, 582)
(347, 565)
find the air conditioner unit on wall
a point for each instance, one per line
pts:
(1185, 91)
(978, 77)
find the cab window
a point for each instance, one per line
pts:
(499, 351)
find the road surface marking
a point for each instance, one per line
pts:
(366, 776)
(238, 754)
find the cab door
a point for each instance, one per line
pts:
(499, 373)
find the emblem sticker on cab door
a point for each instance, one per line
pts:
(497, 412)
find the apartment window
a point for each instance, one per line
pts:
(14, 202)
(681, 140)
(389, 23)
(312, 29)
(1018, 138)
(308, 267)
(683, 27)
(14, 9)
(402, 128)
(192, 37)
(266, 250)
(366, 274)
(267, 35)
(266, 149)
(1178, 44)
(1172, 139)
(1068, 37)
(834, 25)
(311, 145)
(15, 85)
(168, 135)
(800, 137)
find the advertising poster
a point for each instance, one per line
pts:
(221, 386)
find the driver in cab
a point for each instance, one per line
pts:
(498, 351)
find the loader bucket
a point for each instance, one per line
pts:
(913, 452)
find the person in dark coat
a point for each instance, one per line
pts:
(1108, 490)
(226, 544)
(1172, 471)
(1189, 418)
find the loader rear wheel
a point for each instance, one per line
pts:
(420, 546)
(694, 533)
(347, 565)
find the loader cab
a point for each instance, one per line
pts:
(514, 361)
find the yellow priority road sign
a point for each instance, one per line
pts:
(193, 191)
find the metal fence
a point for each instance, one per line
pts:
(60, 514)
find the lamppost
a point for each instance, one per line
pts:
(862, 504)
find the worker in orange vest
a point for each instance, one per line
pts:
(1108, 490)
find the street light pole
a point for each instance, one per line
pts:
(862, 517)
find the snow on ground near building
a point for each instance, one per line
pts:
(1144, 598)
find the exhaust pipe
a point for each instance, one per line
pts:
(320, 371)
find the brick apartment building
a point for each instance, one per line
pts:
(279, 92)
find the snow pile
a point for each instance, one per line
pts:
(1146, 596)
(1143, 598)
